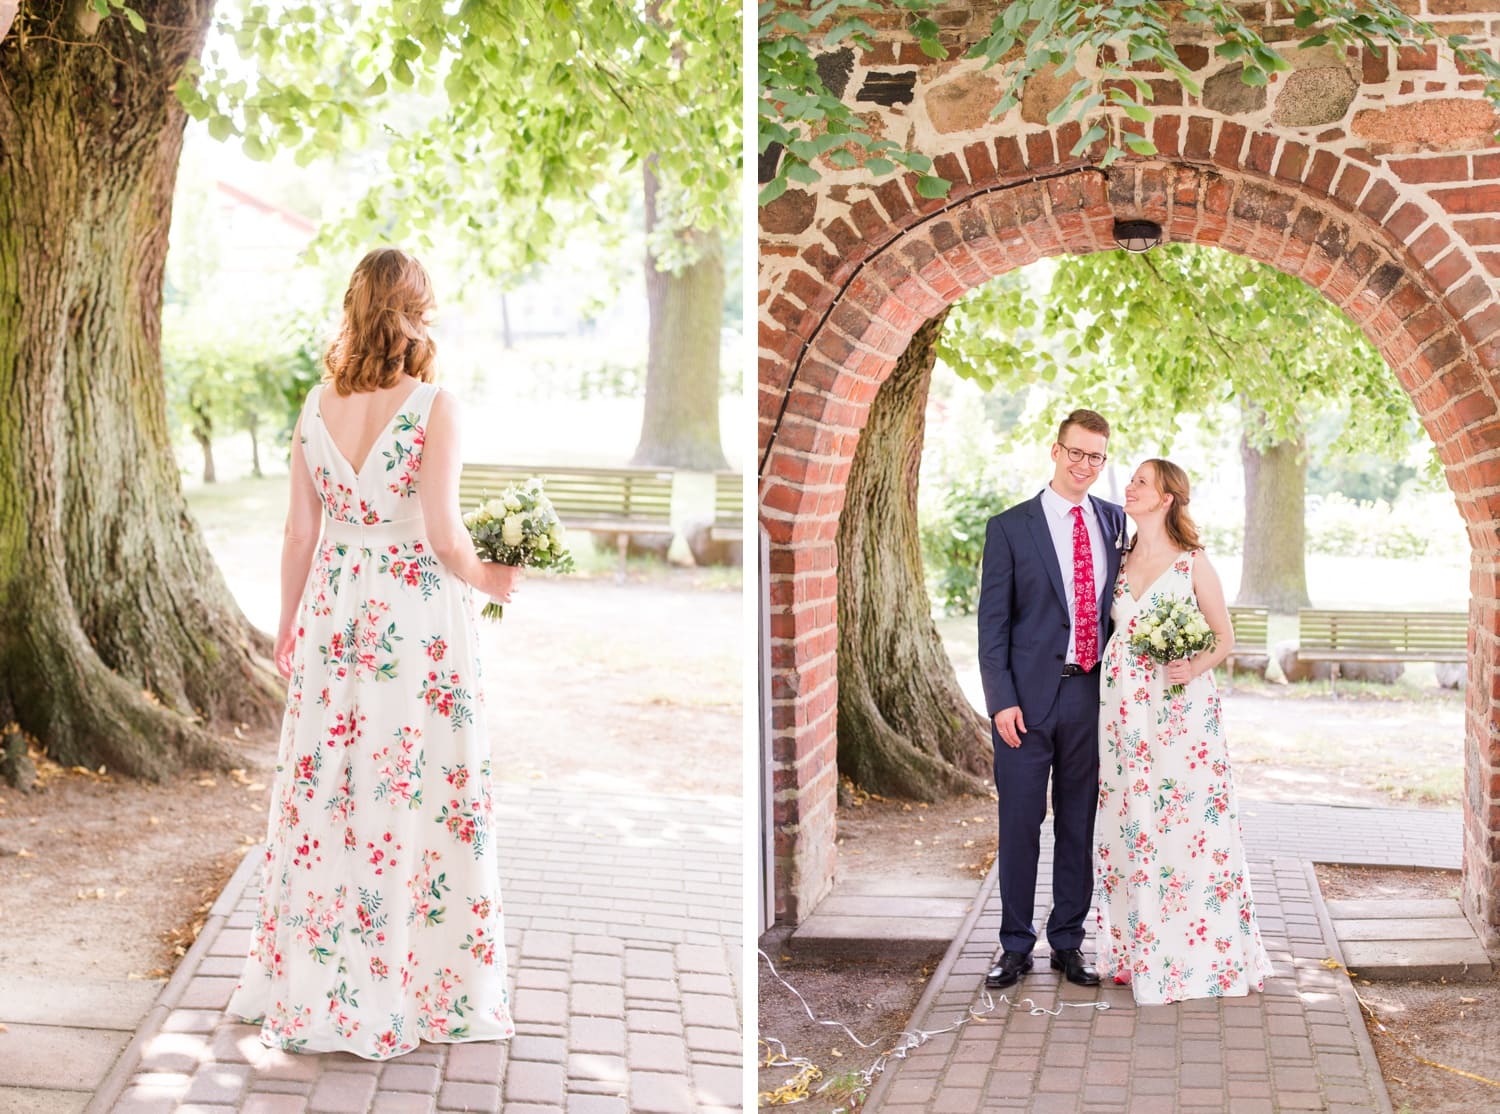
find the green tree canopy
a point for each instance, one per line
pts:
(510, 120)
(1183, 329)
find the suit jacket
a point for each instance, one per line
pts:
(1023, 606)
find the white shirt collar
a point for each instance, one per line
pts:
(1059, 507)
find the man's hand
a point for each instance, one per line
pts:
(1011, 726)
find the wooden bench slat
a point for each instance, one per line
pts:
(1330, 635)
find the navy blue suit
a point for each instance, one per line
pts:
(1024, 631)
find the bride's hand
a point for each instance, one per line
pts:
(286, 643)
(499, 581)
(1179, 672)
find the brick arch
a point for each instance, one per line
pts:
(847, 308)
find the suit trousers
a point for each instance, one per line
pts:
(1064, 746)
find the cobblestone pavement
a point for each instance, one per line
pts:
(1300, 1045)
(623, 924)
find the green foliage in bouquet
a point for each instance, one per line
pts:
(1169, 630)
(519, 527)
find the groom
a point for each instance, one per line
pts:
(1049, 574)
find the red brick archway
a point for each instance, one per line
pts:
(844, 306)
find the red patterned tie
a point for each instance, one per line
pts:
(1085, 599)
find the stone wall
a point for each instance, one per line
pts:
(1371, 175)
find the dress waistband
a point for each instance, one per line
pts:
(370, 535)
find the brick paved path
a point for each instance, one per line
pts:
(1300, 1045)
(623, 923)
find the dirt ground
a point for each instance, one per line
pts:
(1366, 746)
(590, 684)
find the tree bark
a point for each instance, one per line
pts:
(122, 644)
(680, 428)
(1274, 569)
(252, 427)
(905, 727)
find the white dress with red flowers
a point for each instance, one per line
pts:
(379, 923)
(1175, 913)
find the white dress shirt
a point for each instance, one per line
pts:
(1059, 513)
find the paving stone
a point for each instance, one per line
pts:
(207, 993)
(596, 1034)
(656, 1093)
(596, 1000)
(653, 1021)
(546, 1006)
(590, 968)
(659, 1052)
(535, 1047)
(711, 1010)
(484, 1061)
(469, 1096)
(643, 964)
(717, 1085)
(402, 1102)
(596, 1067)
(529, 1081)
(597, 1104)
(701, 1039)
(342, 1092)
(192, 1021)
(424, 1078)
(274, 1104)
(219, 1083)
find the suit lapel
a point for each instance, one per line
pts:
(1111, 530)
(1046, 551)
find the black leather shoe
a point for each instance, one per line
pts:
(1009, 970)
(1071, 963)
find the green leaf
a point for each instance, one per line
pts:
(929, 185)
(1139, 144)
(133, 17)
(880, 167)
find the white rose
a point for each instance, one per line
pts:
(1158, 641)
(471, 518)
(542, 543)
(512, 503)
(495, 507)
(510, 530)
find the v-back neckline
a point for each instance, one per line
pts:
(379, 437)
(1125, 572)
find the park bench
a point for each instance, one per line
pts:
(617, 502)
(1381, 636)
(1250, 627)
(729, 507)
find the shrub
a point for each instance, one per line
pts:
(953, 543)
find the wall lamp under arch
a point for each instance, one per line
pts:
(1137, 236)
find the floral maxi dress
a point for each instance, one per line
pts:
(379, 922)
(1175, 913)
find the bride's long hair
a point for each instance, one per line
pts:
(1172, 480)
(384, 332)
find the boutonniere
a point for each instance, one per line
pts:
(1120, 540)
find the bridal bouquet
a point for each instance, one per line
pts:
(518, 527)
(1171, 629)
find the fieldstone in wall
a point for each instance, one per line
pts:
(1314, 96)
(1044, 92)
(1443, 124)
(1226, 93)
(888, 88)
(963, 103)
(834, 69)
(789, 214)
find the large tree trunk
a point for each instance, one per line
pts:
(905, 727)
(1274, 571)
(680, 428)
(121, 643)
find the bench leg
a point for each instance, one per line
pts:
(1333, 679)
(622, 542)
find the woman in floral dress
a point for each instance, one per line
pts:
(1176, 917)
(379, 922)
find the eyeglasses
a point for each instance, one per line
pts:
(1096, 460)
